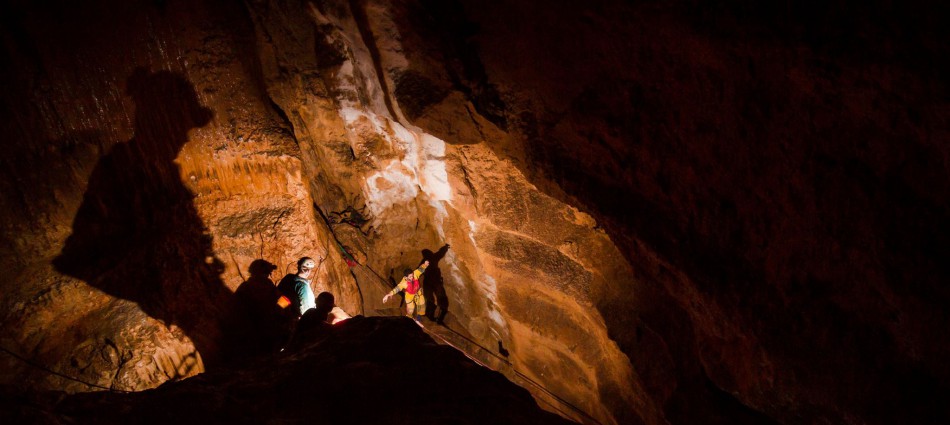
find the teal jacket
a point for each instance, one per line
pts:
(297, 289)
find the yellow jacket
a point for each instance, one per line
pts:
(404, 283)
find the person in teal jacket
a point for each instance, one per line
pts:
(412, 288)
(296, 287)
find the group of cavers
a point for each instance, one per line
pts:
(298, 313)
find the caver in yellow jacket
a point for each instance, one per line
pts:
(412, 289)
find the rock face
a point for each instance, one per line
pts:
(667, 213)
(778, 183)
(366, 370)
(145, 175)
(523, 268)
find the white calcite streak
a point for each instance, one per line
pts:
(415, 171)
(434, 176)
(389, 186)
(422, 167)
(471, 232)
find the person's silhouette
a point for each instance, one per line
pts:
(263, 323)
(433, 286)
(137, 235)
(314, 324)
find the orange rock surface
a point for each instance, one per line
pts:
(666, 213)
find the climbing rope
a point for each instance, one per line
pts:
(53, 372)
(519, 374)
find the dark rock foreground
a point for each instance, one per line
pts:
(364, 371)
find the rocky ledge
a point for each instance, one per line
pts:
(364, 371)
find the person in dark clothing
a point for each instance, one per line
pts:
(316, 323)
(332, 314)
(264, 324)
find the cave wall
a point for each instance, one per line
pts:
(186, 142)
(777, 176)
(678, 212)
(523, 269)
(143, 175)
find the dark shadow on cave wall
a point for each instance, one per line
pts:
(137, 235)
(433, 288)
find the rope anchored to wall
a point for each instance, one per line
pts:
(588, 418)
(53, 372)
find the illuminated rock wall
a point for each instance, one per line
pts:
(523, 268)
(145, 173)
(675, 213)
